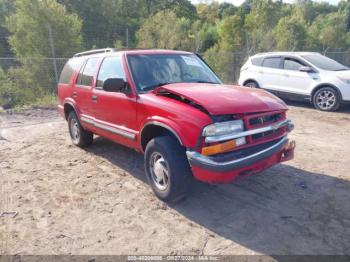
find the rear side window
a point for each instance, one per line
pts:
(272, 62)
(71, 66)
(257, 61)
(111, 68)
(86, 75)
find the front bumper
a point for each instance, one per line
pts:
(226, 167)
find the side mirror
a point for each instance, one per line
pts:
(306, 69)
(114, 85)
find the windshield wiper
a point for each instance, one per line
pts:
(205, 82)
(151, 87)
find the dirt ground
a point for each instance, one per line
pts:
(97, 201)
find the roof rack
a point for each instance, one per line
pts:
(95, 51)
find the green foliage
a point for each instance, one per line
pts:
(309, 10)
(209, 12)
(223, 32)
(231, 33)
(206, 35)
(165, 30)
(290, 33)
(330, 31)
(29, 28)
(260, 22)
(6, 8)
(227, 9)
(105, 21)
(12, 94)
(117, 16)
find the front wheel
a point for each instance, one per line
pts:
(167, 169)
(326, 99)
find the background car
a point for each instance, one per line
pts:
(299, 76)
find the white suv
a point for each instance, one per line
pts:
(299, 75)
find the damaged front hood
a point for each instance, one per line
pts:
(225, 99)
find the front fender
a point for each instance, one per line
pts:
(187, 138)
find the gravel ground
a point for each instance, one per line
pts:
(96, 201)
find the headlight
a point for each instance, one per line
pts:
(223, 128)
(346, 80)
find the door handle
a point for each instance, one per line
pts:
(75, 94)
(94, 98)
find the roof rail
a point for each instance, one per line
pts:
(95, 51)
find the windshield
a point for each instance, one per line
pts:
(153, 70)
(324, 62)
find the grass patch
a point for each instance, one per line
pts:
(48, 100)
(45, 101)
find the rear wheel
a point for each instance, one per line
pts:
(80, 137)
(167, 169)
(326, 99)
(251, 84)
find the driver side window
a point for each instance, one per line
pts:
(292, 64)
(111, 68)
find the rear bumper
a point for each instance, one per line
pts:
(224, 169)
(60, 109)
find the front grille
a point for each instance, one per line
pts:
(261, 135)
(260, 120)
(265, 119)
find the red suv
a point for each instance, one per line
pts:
(172, 107)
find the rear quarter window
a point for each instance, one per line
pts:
(257, 61)
(87, 73)
(70, 67)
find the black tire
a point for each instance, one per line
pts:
(80, 137)
(173, 157)
(326, 99)
(251, 84)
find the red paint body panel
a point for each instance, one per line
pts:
(227, 177)
(227, 99)
(113, 114)
(184, 119)
(203, 175)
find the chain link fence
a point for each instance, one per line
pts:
(46, 70)
(226, 64)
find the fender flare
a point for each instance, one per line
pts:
(167, 124)
(157, 123)
(72, 104)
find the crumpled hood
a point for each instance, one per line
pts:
(226, 99)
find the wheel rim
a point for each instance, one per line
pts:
(251, 84)
(74, 130)
(159, 171)
(326, 99)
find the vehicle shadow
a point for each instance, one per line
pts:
(343, 109)
(283, 210)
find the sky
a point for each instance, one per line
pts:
(238, 2)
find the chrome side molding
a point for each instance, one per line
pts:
(110, 128)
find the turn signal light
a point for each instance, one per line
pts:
(223, 147)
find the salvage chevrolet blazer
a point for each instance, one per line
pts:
(172, 107)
